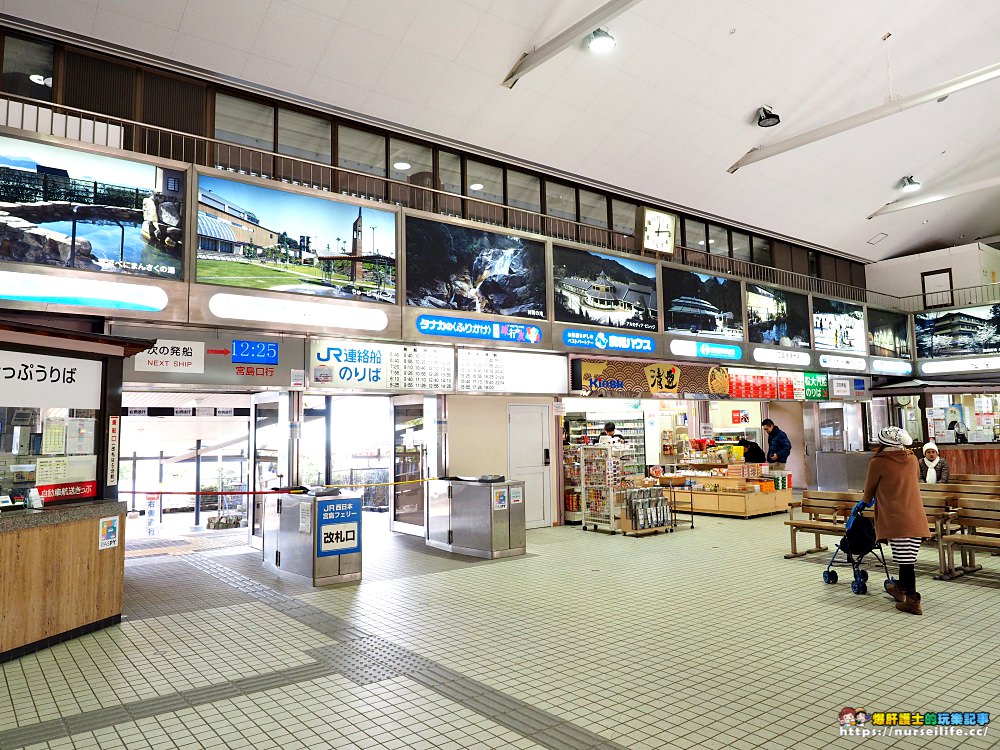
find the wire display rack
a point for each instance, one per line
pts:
(600, 480)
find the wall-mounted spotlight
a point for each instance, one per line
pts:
(766, 118)
(908, 184)
(600, 41)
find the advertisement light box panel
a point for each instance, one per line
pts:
(839, 326)
(697, 304)
(450, 267)
(604, 290)
(777, 317)
(887, 334)
(971, 330)
(72, 209)
(257, 237)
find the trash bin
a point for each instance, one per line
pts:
(481, 518)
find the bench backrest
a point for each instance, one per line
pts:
(978, 513)
(833, 504)
(974, 479)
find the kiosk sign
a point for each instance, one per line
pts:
(338, 524)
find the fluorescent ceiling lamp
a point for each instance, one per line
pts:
(402, 166)
(41, 80)
(938, 195)
(569, 37)
(77, 292)
(870, 115)
(294, 312)
(600, 41)
(908, 184)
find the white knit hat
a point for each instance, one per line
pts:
(894, 437)
(931, 446)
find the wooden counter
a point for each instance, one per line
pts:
(56, 583)
(729, 501)
(971, 458)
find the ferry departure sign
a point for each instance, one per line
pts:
(254, 352)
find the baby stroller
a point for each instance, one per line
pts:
(855, 544)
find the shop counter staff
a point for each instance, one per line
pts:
(610, 436)
(778, 445)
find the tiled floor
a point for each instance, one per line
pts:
(704, 638)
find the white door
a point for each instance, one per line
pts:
(529, 452)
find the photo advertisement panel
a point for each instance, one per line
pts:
(604, 290)
(839, 326)
(698, 304)
(65, 208)
(951, 333)
(776, 317)
(257, 237)
(888, 334)
(451, 267)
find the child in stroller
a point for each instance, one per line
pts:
(858, 541)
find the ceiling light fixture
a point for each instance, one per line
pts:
(600, 41)
(766, 118)
(908, 184)
(402, 166)
(41, 80)
(476, 186)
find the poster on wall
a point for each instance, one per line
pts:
(697, 304)
(777, 317)
(450, 267)
(888, 334)
(258, 237)
(637, 379)
(604, 290)
(971, 330)
(839, 326)
(72, 209)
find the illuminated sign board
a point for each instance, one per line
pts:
(705, 350)
(453, 327)
(622, 342)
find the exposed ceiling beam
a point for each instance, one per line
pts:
(871, 115)
(566, 39)
(940, 195)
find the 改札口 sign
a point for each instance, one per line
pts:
(338, 526)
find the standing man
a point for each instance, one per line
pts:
(778, 445)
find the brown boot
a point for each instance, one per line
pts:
(895, 591)
(911, 604)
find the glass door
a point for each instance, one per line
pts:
(409, 465)
(269, 456)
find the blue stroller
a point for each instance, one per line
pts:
(859, 541)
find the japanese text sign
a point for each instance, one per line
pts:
(39, 380)
(338, 526)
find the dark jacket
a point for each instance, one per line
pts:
(753, 453)
(892, 484)
(778, 442)
(942, 469)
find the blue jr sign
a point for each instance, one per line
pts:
(338, 526)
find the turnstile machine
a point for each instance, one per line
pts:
(477, 518)
(314, 534)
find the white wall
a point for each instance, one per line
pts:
(477, 436)
(788, 416)
(971, 265)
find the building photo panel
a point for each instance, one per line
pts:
(698, 304)
(451, 267)
(71, 209)
(972, 330)
(887, 334)
(776, 317)
(839, 326)
(257, 237)
(604, 290)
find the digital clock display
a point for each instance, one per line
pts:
(254, 353)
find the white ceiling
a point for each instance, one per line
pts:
(665, 114)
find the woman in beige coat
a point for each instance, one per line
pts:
(892, 483)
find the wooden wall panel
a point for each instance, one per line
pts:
(971, 460)
(54, 579)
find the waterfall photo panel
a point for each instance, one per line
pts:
(698, 304)
(603, 290)
(451, 267)
(257, 237)
(776, 317)
(839, 326)
(888, 334)
(72, 209)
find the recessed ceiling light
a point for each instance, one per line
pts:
(476, 186)
(908, 184)
(402, 166)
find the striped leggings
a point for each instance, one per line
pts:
(904, 551)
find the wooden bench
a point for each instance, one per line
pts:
(975, 524)
(974, 479)
(824, 513)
